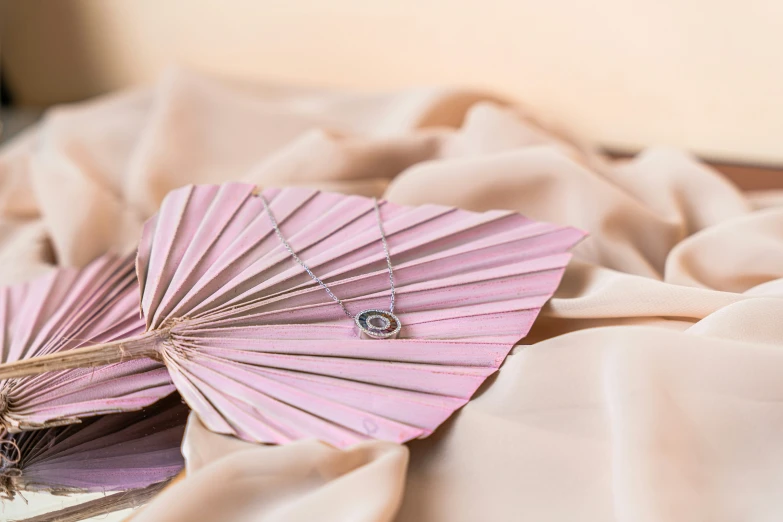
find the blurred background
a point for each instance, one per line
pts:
(704, 75)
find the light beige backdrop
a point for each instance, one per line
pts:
(705, 75)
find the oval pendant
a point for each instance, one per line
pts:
(377, 324)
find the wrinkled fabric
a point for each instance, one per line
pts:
(648, 390)
(305, 480)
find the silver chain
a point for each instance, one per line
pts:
(315, 277)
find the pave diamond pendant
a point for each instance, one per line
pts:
(377, 324)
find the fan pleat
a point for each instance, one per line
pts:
(422, 410)
(196, 400)
(231, 417)
(319, 407)
(226, 341)
(283, 410)
(72, 381)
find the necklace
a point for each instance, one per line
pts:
(370, 324)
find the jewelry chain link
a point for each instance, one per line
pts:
(315, 277)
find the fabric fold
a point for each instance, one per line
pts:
(306, 480)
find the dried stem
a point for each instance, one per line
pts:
(102, 506)
(145, 345)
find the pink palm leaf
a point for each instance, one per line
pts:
(261, 352)
(62, 311)
(106, 453)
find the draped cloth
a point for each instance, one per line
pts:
(649, 389)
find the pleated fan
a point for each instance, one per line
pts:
(61, 311)
(116, 452)
(260, 351)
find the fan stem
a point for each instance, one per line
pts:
(145, 345)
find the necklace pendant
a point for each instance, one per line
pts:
(377, 324)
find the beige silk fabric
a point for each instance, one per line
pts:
(650, 389)
(303, 481)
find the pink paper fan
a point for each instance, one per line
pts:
(107, 453)
(61, 311)
(260, 351)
